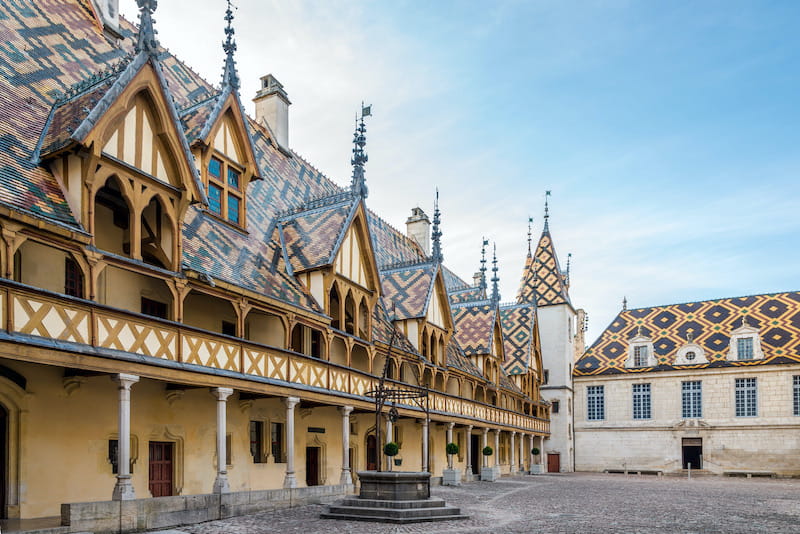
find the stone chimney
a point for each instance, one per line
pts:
(476, 279)
(418, 228)
(272, 108)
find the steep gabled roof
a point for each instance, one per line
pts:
(710, 323)
(543, 282)
(408, 289)
(475, 326)
(517, 322)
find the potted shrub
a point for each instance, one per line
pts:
(450, 476)
(536, 467)
(488, 472)
(391, 449)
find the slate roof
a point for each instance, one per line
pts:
(777, 316)
(543, 282)
(310, 237)
(517, 323)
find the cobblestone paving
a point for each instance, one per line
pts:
(574, 503)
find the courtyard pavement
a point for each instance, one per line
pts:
(567, 503)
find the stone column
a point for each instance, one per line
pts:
(497, 448)
(521, 452)
(513, 459)
(449, 441)
(469, 451)
(221, 482)
(346, 477)
(289, 480)
(425, 441)
(389, 437)
(485, 462)
(123, 489)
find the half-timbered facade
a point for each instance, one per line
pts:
(188, 307)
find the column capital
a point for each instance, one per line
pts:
(124, 380)
(451, 426)
(345, 410)
(291, 402)
(222, 394)
(496, 431)
(485, 431)
(513, 432)
(469, 428)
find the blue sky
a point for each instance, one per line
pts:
(667, 131)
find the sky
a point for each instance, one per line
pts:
(667, 132)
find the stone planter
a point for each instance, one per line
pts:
(451, 477)
(490, 474)
(536, 469)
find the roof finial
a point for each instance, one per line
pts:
(358, 185)
(483, 264)
(436, 254)
(230, 77)
(744, 321)
(624, 303)
(530, 221)
(146, 37)
(546, 212)
(495, 279)
(569, 260)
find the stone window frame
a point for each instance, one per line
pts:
(691, 346)
(595, 403)
(743, 332)
(645, 401)
(796, 395)
(744, 389)
(638, 341)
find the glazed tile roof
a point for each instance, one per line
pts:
(777, 316)
(474, 326)
(470, 294)
(408, 289)
(457, 359)
(382, 331)
(196, 116)
(392, 247)
(543, 282)
(310, 237)
(517, 322)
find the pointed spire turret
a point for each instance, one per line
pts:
(546, 212)
(436, 254)
(566, 277)
(358, 185)
(495, 279)
(624, 303)
(483, 264)
(230, 78)
(146, 37)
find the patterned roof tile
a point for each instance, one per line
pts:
(543, 282)
(517, 322)
(408, 290)
(474, 326)
(710, 323)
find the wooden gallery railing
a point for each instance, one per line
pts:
(34, 312)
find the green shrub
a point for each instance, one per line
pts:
(451, 448)
(535, 451)
(488, 451)
(391, 449)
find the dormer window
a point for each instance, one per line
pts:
(690, 353)
(640, 351)
(690, 356)
(640, 356)
(224, 190)
(745, 343)
(744, 348)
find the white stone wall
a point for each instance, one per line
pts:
(556, 329)
(767, 442)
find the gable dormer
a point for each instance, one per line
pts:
(224, 153)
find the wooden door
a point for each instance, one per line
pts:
(161, 468)
(372, 453)
(475, 454)
(553, 463)
(312, 466)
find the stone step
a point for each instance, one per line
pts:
(395, 512)
(433, 502)
(394, 520)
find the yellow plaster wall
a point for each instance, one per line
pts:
(42, 266)
(124, 289)
(207, 312)
(349, 262)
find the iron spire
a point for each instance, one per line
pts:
(569, 260)
(146, 37)
(546, 212)
(495, 279)
(483, 264)
(624, 303)
(230, 78)
(436, 254)
(530, 221)
(358, 185)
